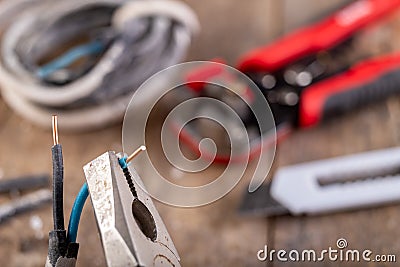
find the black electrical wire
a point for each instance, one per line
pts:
(58, 180)
(58, 243)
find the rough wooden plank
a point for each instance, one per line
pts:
(311, 10)
(213, 235)
(231, 28)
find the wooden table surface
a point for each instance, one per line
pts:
(213, 235)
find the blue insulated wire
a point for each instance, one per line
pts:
(122, 162)
(76, 213)
(70, 57)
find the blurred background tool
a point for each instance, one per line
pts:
(309, 75)
(84, 59)
(344, 183)
(26, 202)
(131, 230)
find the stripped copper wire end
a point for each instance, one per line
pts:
(54, 125)
(135, 153)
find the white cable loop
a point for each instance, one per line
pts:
(147, 36)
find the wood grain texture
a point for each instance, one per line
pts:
(215, 235)
(230, 28)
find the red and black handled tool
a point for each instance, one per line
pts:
(291, 65)
(367, 82)
(298, 79)
(319, 37)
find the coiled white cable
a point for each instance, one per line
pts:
(146, 37)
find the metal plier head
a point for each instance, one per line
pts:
(131, 229)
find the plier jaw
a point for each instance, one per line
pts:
(131, 230)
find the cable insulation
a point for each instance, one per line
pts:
(58, 181)
(76, 213)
